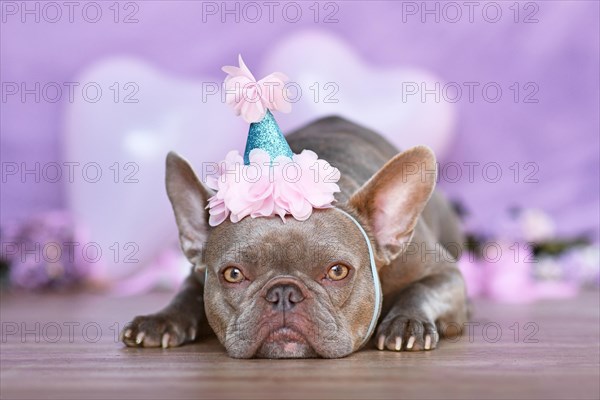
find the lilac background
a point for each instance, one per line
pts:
(560, 54)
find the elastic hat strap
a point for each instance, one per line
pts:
(376, 282)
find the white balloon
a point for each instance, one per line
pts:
(333, 80)
(140, 115)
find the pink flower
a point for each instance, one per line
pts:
(251, 99)
(293, 186)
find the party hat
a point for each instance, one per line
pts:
(266, 135)
(269, 179)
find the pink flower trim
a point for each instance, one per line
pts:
(252, 99)
(292, 186)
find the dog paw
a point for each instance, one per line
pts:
(158, 330)
(409, 334)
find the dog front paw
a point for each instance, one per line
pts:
(158, 330)
(406, 333)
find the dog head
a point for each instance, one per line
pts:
(300, 289)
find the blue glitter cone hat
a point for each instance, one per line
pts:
(266, 135)
(269, 180)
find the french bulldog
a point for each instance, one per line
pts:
(300, 289)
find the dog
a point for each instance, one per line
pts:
(384, 255)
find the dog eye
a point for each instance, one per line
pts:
(338, 272)
(233, 275)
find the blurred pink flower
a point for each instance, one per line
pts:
(45, 251)
(507, 279)
(536, 225)
(472, 272)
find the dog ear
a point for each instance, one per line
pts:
(392, 200)
(189, 198)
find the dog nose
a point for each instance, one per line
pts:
(284, 297)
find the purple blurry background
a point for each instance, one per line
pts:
(559, 54)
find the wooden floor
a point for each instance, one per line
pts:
(544, 351)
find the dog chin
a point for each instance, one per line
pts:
(286, 343)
